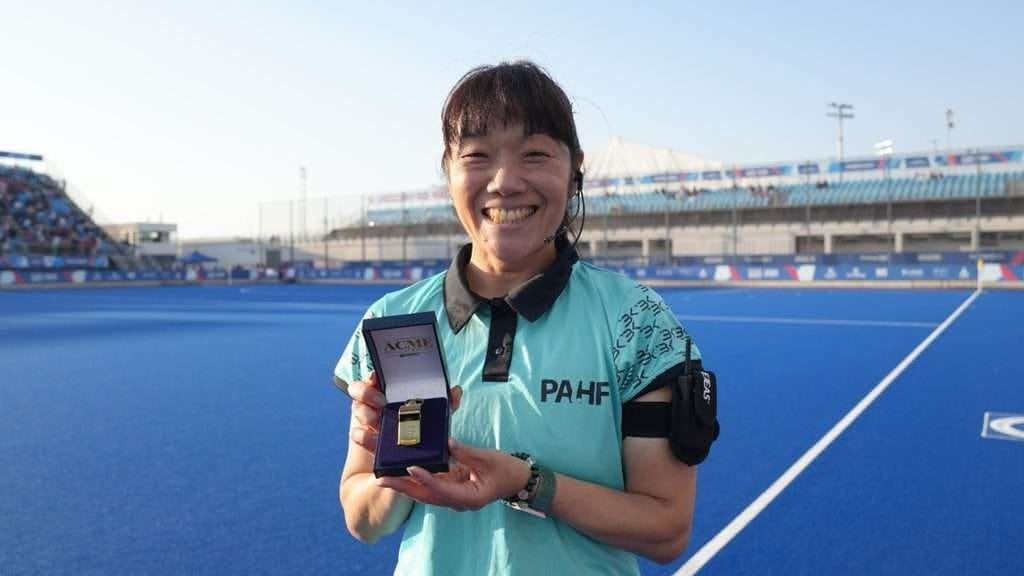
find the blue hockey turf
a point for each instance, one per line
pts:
(195, 430)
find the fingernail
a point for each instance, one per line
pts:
(453, 444)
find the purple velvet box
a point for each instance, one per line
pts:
(409, 362)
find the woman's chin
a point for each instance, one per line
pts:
(517, 253)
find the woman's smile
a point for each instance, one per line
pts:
(500, 215)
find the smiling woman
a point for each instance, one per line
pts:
(510, 190)
(513, 158)
(544, 353)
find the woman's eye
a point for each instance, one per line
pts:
(537, 154)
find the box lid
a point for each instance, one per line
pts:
(407, 356)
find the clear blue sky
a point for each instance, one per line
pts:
(199, 111)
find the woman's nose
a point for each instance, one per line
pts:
(507, 180)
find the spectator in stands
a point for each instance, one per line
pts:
(514, 306)
(37, 217)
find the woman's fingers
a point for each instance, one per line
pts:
(367, 391)
(457, 495)
(421, 486)
(409, 487)
(364, 437)
(475, 458)
(366, 403)
(456, 398)
(366, 415)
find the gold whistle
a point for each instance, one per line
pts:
(409, 416)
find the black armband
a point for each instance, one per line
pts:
(690, 421)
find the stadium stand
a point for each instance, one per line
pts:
(873, 191)
(42, 227)
(37, 217)
(654, 207)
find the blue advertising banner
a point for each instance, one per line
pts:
(764, 273)
(881, 258)
(808, 169)
(895, 272)
(53, 262)
(45, 277)
(917, 162)
(678, 272)
(863, 165)
(765, 260)
(760, 171)
(670, 177)
(972, 159)
(993, 257)
(1000, 266)
(711, 175)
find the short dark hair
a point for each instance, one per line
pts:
(504, 94)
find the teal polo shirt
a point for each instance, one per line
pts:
(544, 371)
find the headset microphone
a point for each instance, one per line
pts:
(558, 232)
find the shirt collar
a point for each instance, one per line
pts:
(531, 299)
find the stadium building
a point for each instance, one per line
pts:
(647, 205)
(651, 212)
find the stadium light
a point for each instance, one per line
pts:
(302, 194)
(884, 150)
(977, 200)
(840, 111)
(950, 124)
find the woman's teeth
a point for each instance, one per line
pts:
(508, 215)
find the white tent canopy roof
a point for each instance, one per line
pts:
(621, 157)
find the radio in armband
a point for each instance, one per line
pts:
(694, 423)
(690, 421)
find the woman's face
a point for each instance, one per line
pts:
(510, 192)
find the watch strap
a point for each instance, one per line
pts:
(524, 498)
(544, 495)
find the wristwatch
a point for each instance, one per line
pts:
(536, 496)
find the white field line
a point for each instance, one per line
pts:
(715, 545)
(812, 321)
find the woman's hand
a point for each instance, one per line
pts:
(477, 477)
(367, 402)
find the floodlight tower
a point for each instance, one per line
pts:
(840, 111)
(950, 124)
(884, 151)
(302, 194)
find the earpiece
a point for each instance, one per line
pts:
(564, 228)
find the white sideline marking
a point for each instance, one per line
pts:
(715, 545)
(814, 321)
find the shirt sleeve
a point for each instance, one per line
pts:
(648, 341)
(355, 362)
